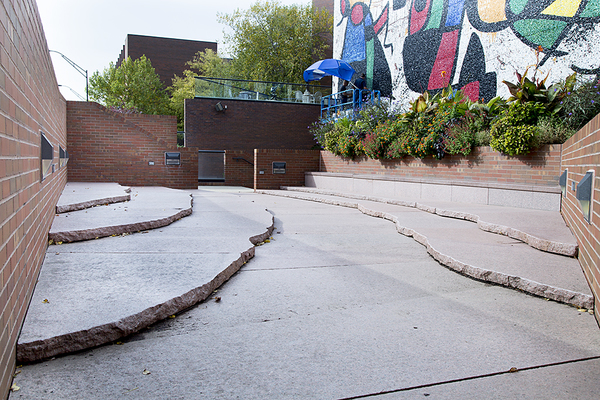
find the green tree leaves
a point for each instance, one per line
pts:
(132, 85)
(273, 42)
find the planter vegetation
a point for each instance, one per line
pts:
(450, 123)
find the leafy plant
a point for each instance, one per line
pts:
(515, 131)
(582, 104)
(527, 90)
(552, 130)
(341, 140)
(459, 136)
(376, 144)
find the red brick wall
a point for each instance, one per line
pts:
(167, 55)
(297, 163)
(483, 165)
(105, 146)
(580, 154)
(30, 103)
(237, 171)
(249, 124)
(160, 126)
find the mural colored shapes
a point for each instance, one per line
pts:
(362, 48)
(432, 34)
(437, 24)
(545, 23)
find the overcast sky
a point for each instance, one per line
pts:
(92, 34)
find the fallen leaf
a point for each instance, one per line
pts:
(217, 299)
(146, 372)
(45, 301)
(513, 369)
(119, 343)
(14, 388)
(172, 316)
(58, 242)
(582, 309)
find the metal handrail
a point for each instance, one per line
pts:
(333, 106)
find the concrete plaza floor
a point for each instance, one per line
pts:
(336, 304)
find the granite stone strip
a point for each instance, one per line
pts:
(511, 281)
(91, 203)
(565, 249)
(106, 333)
(105, 231)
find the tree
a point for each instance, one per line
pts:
(205, 63)
(268, 42)
(132, 85)
(274, 42)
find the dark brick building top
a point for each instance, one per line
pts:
(168, 56)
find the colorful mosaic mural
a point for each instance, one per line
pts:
(409, 46)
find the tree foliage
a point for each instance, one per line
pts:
(132, 85)
(274, 42)
(206, 63)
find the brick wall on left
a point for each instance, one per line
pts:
(30, 106)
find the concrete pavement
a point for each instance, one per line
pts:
(337, 305)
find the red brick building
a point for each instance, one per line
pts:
(168, 55)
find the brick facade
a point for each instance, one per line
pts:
(580, 154)
(297, 163)
(249, 124)
(239, 168)
(30, 103)
(167, 55)
(484, 165)
(106, 146)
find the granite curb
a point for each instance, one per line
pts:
(95, 233)
(511, 281)
(106, 333)
(565, 249)
(92, 203)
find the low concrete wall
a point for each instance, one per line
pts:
(539, 198)
(484, 177)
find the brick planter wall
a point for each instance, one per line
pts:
(105, 146)
(30, 104)
(484, 165)
(580, 154)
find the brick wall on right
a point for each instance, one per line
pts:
(580, 154)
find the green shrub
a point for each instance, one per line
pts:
(482, 138)
(342, 141)
(514, 133)
(552, 130)
(319, 129)
(581, 105)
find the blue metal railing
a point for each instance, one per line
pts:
(348, 103)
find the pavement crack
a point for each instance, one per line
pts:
(470, 378)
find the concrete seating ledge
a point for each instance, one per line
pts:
(539, 197)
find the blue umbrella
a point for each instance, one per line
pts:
(329, 67)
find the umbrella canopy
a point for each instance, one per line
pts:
(329, 67)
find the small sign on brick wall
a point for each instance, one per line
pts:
(172, 158)
(279, 167)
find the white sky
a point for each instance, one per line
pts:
(92, 33)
